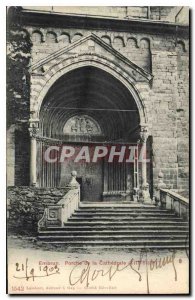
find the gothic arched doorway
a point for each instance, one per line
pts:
(88, 107)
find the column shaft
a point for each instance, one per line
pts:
(33, 161)
(144, 165)
(145, 185)
(33, 130)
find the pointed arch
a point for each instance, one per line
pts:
(110, 68)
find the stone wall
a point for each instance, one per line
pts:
(25, 206)
(164, 13)
(183, 116)
(159, 55)
(164, 116)
(166, 101)
(134, 46)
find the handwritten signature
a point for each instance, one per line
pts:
(24, 271)
(87, 275)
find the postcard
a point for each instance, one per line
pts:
(98, 150)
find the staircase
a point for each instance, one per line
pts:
(119, 226)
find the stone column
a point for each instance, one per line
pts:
(145, 186)
(33, 130)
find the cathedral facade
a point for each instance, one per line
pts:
(107, 77)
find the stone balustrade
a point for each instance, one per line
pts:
(174, 202)
(57, 215)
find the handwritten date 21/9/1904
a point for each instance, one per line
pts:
(24, 271)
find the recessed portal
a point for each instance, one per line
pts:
(88, 107)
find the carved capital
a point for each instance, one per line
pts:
(33, 132)
(34, 128)
(143, 133)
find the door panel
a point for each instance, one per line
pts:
(90, 176)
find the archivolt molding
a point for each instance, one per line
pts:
(37, 98)
(47, 71)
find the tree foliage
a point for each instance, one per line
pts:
(18, 80)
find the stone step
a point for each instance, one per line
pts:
(119, 226)
(123, 217)
(116, 206)
(140, 242)
(127, 219)
(113, 248)
(95, 232)
(119, 213)
(128, 223)
(74, 226)
(127, 238)
(113, 210)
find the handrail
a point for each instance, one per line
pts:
(70, 202)
(176, 196)
(58, 214)
(68, 197)
(175, 202)
(55, 215)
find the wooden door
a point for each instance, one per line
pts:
(90, 177)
